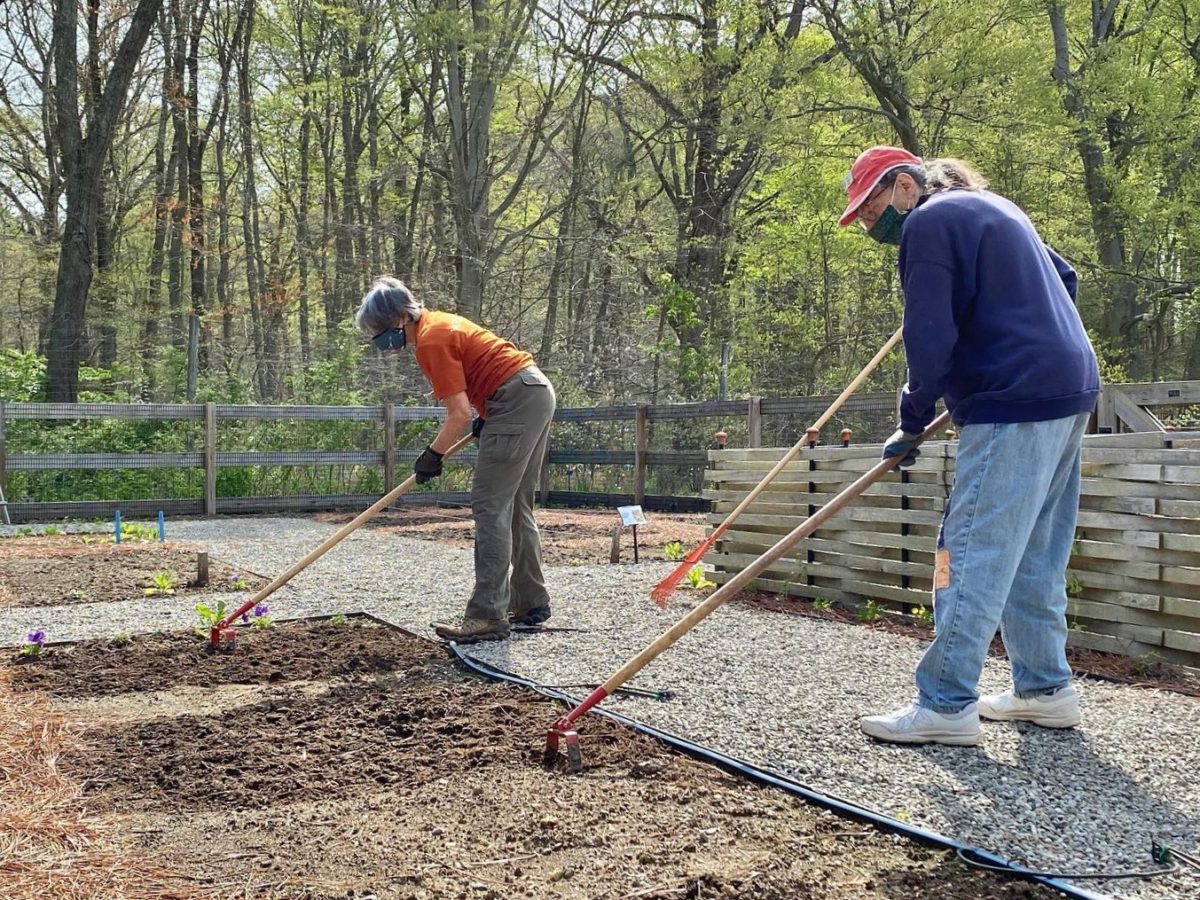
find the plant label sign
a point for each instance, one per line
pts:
(632, 515)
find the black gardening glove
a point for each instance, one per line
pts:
(428, 465)
(477, 427)
(903, 444)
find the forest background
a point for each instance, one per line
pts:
(642, 192)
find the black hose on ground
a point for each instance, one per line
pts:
(970, 856)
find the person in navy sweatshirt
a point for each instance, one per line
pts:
(991, 329)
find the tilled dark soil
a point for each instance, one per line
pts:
(299, 651)
(364, 763)
(64, 571)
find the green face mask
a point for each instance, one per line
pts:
(888, 226)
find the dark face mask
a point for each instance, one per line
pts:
(888, 226)
(392, 339)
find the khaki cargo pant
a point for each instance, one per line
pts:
(511, 448)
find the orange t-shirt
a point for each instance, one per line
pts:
(457, 355)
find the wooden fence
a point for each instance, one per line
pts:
(1133, 579)
(213, 446)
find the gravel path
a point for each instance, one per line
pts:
(781, 691)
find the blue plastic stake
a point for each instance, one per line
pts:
(117, 526)
(162, 528)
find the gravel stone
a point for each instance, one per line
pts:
(778, 691)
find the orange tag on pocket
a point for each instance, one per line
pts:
(941, 570)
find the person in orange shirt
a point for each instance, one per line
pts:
(469, 366)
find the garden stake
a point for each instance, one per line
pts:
(663, 589)
(223, 629)
(562, 731)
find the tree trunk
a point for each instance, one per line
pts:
(83, 158)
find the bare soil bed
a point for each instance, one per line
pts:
(323, 760)
(65, 570)
(569, 537)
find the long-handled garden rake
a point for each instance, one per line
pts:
(663, 589)
(223, 628)
(563, 730)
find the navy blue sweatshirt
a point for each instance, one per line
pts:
(990, 325)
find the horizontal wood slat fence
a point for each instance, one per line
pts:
(210, 421)
(1133, 581)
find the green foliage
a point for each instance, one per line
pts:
(869, 611)
(1074, 585)
(133, 531)
(673, 550)
(76, 594)
(337, 619)
(210, 616)
(822, 603)
(164, 584)
(21, 376)
(923, 614)
(51, 531)
(695, 580)
(120, 639)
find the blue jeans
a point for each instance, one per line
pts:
(1005, 542)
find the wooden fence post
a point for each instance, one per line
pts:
(210, 459)
(755, 422)
(642, 443)
(389, 447)
(1106, 417)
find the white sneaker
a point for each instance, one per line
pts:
(1057, 710)
(916, 725)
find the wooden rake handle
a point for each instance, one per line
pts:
(664, 587)
(816, 426)
(748, 574)
(328, 544)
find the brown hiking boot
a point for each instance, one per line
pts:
(472, 630)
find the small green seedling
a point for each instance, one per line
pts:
(696, 581)
(923, 614)
(24, 532)
(823, 603)
(120, 639)
(337, 619)
(51, 530)
(164, 584)
(869, 611)
(132, 531)
(76, 594)
(209, 616)
(673, 550)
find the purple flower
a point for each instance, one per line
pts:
(38, 636)
(261, 610)
(245, 618)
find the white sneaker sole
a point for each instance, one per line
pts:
(1067, 720)
(952, 739)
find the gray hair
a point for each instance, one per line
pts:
(383, 304)
(936, 175)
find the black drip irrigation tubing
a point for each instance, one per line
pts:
(797, 789)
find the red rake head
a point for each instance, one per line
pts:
(568, 736)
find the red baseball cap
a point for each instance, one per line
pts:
(866, 172)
